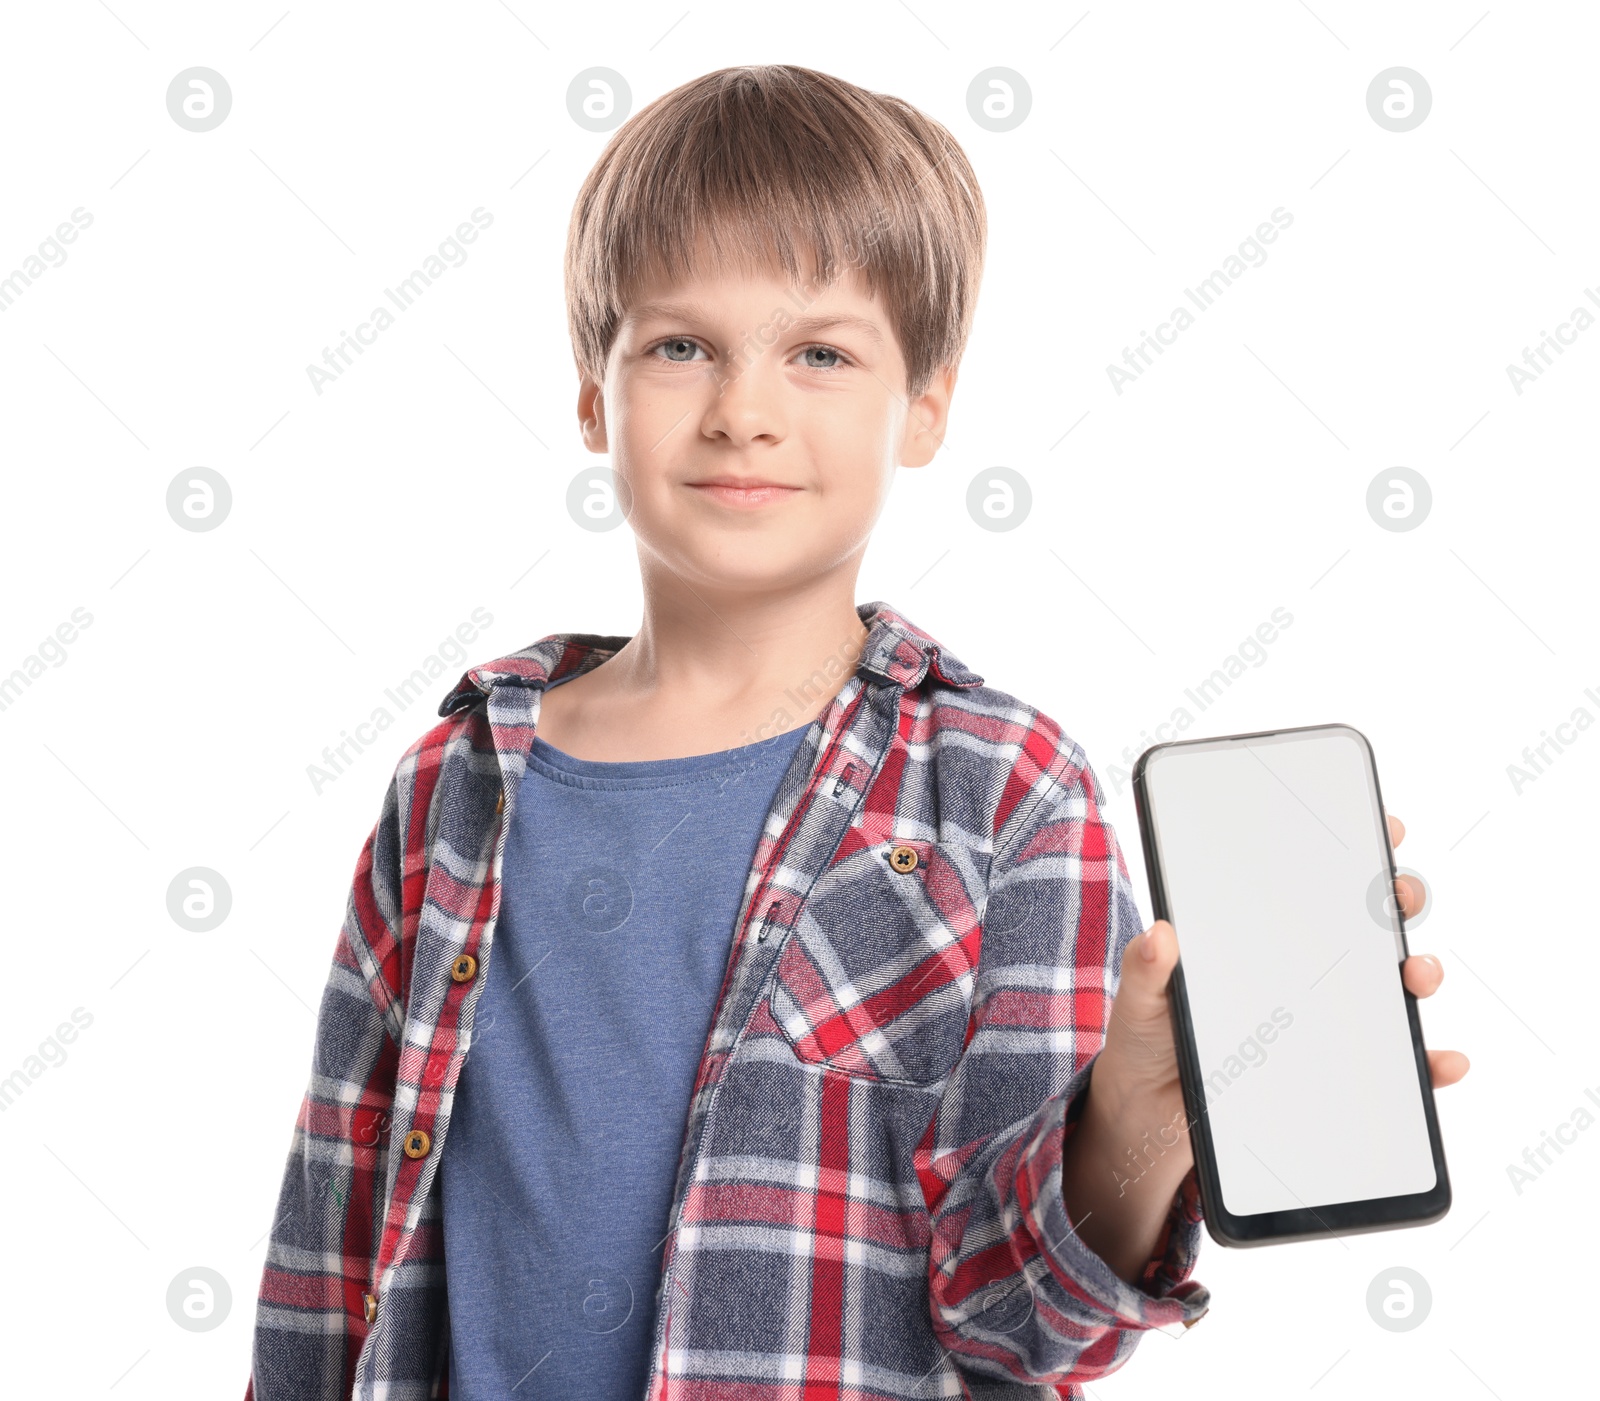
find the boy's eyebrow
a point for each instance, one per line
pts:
(805, 325)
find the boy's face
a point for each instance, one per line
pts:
(749, 378)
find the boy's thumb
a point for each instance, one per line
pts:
(1147, 964)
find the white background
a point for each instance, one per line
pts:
(369, 521)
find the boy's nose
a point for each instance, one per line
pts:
(747, 404)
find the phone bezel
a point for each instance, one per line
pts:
(1301, 1223)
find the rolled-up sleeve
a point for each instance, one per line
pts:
(1015, 1292)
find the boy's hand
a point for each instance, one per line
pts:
(1136, 1097)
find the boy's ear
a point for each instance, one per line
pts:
(592, 414)
(927, 417)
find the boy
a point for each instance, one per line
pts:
(784, 946)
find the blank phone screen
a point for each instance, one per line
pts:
(1273, 856)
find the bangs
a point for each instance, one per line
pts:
(785, 171)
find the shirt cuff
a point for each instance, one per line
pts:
(1165, 1295)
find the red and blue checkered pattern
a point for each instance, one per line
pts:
(868, 1198)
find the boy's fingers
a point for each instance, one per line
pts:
(1411, 893)
(1422, 974)
(1446, 1067)
(1397, 829)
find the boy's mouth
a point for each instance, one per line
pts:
(746, 492)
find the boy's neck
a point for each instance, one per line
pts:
(709, 675)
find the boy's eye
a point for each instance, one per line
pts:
(811, 350)
(680, 348)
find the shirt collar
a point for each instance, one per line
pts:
(897, 652)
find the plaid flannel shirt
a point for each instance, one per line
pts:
(867, 1201)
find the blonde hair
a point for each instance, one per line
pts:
(767, 163)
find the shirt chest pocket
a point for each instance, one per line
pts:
(876, 978)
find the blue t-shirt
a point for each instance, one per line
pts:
(621, 883)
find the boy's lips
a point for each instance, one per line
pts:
(732, 491)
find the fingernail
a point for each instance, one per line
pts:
(1147, 948)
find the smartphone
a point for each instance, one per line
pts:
(1305, 1078)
